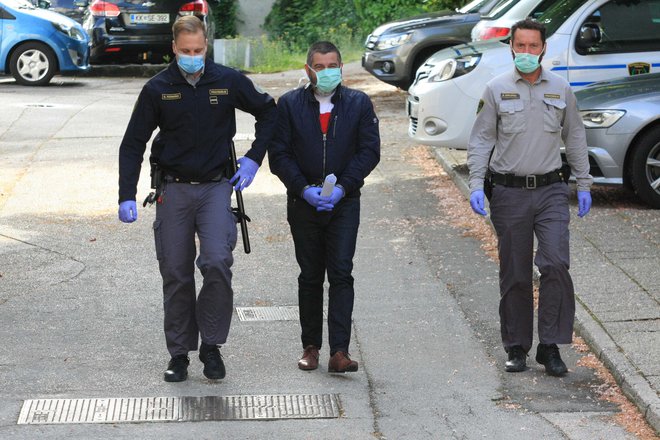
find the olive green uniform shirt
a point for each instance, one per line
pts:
(526, 124)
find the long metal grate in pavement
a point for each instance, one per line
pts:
(280, 313)
(179, 409)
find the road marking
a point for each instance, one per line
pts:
(279, 313)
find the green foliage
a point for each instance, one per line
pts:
(224, 15)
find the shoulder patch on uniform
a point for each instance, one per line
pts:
(551, 96)
(170, 96)
(510, 95)
(480, 105)
(217, 92)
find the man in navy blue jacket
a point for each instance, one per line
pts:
(193, 103)
(325, 128)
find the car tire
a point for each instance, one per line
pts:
(644, 167)
(33, 64)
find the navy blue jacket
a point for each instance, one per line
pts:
(300, 155)
(197, 124)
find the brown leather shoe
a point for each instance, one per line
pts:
(340, 362)
(309, 359)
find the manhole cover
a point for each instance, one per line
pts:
(179, 409)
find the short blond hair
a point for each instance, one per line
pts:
(188, 24)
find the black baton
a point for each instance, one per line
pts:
(240, 211)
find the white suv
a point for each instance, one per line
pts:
(587, 41)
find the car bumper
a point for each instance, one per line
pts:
(72, 55)
(117, 48)
(386, 65)
(607, 155)
(440, 114)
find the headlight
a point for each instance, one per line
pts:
(390, 41)
(69, 31)
(453, 67)
(601, 118)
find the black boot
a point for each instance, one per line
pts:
(517, 360)
(177, 369)
(214, 368)
(548, 355)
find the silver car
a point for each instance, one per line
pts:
(622, 118)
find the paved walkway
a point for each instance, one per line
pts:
(616, 270)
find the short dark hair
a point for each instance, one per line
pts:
(188, 24)
(322, 47)
(530, 24)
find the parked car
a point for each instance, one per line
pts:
(587, 41)
(622, 120)
(74, 9)
(138, 32)
(35, 43)
(497, 23)
(395, 50)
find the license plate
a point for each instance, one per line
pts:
(150, 18)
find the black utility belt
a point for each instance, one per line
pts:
(530, 181)
(172, 179)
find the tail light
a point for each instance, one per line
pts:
(198, 7)
(494, 32)
(104, 9)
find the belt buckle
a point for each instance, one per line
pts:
(530, 181)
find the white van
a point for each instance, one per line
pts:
(587, 41)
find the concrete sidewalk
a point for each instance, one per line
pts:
(617, 279)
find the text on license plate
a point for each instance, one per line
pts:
(150, 18)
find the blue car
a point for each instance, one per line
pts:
(35, 44)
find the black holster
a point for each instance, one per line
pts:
(488, 185)
(157, 177)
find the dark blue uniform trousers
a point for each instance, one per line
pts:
(188, 210)
(325, 241)
(517, 215)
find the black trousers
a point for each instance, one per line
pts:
(325, 242)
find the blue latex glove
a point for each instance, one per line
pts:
(312, 195)
(247, 169)
(336, 196)
(477, 202)
(128, 211)
(584, 203)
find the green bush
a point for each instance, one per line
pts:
(224, 14)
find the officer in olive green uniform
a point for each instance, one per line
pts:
(523, 118)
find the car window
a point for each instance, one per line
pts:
(557, 14)
(541, 8)
(478, 6)
(626, 26)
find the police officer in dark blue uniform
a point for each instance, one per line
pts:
(193, 104)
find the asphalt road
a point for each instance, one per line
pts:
(81, 308)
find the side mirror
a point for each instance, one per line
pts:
(80, 3)
(43, 4)
(589, 35)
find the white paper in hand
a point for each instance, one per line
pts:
(328, 185)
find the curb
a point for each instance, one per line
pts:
(124, 70)
(633, 385)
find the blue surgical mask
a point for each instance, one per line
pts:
(328, 79)
(526, 62)
(190, 63)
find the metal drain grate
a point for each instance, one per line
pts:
(179, 409)
(281, 313)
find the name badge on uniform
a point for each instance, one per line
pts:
(509, 95)
(551, 96)
(217, 92)
(170, 96)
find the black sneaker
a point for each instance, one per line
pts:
(517, 360)
(548, 355)
(214, 368)
(177, 369)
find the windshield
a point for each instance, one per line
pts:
(501, 8)
(472, 7)
(557, 14)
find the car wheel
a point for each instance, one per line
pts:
(644, 168)
(33, 64)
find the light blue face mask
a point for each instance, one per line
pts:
(328, 79)
(190, 63)
(526, 62)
